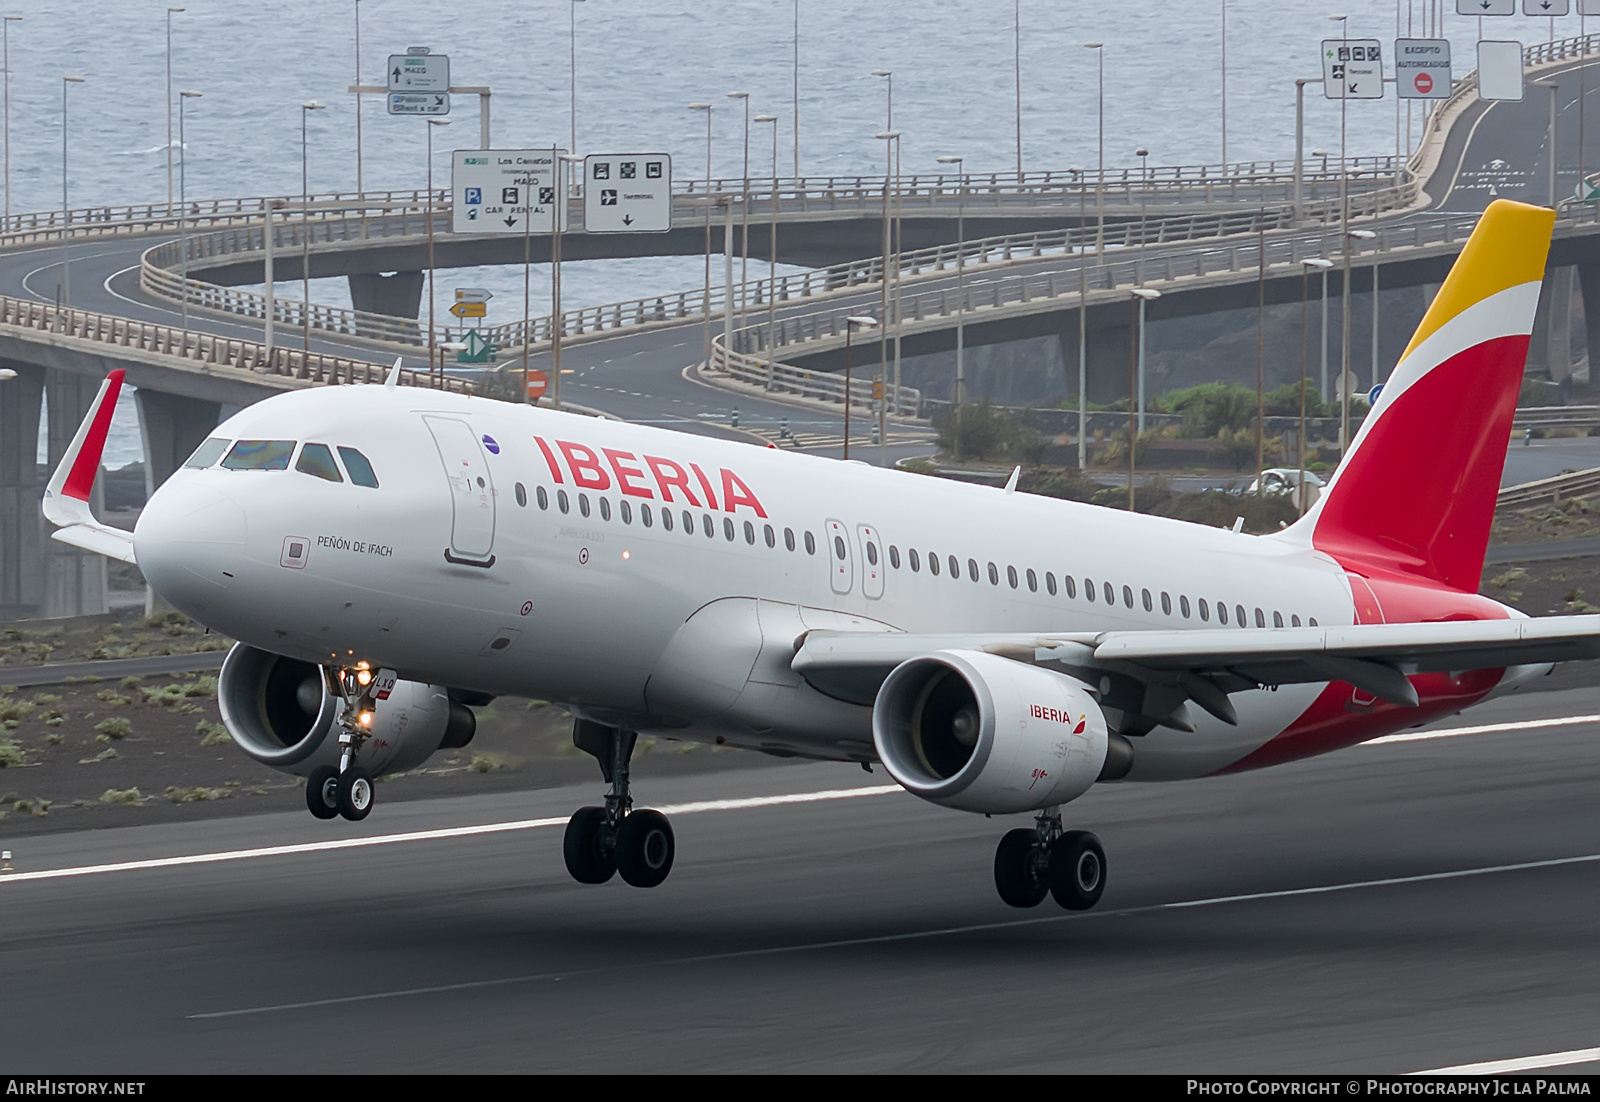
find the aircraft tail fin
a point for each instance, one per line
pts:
(66, 498)
(1416, 492)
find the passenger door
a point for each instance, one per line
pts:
(471, 492)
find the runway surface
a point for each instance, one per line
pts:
(1397, 907)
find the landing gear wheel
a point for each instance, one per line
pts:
(322, 792)
(584, 848)
(1077, 870)
(645, 848)
(355, 794)
(1019, 876)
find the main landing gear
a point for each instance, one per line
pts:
(603, 841)
(1046, 860)
(348, 790)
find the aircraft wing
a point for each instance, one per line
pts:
(1155, 672)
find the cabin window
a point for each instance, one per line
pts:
(583, 505)
(1222, 613)
(772, 537)
(1261, 619)
(1243, 620)
(894, 557)
(1205, 610)
(1011, 576)
(1183, 606)
(1050, 583)
(1277, 619)
(1127, 596)
(972, 568)
(561, 501)
(625, 511)
(1033, 581)
(1088, 588)
(1166, 604)
(955, 568)
(605, 508)
(207, 453)
(838, 548)
(645, 517)
(750, 533)
(872, 553)
(788, 538)
(1149, 605)
(913, 558)
(1294, 621)
(994, 575)
(727, 529)
(261, 455)
(317, 460)
(933, 564)
(1111, 594)
(666, 519)
(361, 472)
(811, 544)
(1070, 585)
(1312, 621)
(541, 497)
(521, 493)
(708, 526)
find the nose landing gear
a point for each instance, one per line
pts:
(603, 841)
(348, 790)
(1069, 865)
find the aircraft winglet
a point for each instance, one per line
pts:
(394, 375)
(66, 498)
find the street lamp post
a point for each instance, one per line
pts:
(360, 186)
(891, 140)
(170, 13)
(1322, 265)
(1144, 295)
(1139, 296)
(305, 226)
(183, 206)
(1083, 327)
(1100, 179)
(772, 257)
(557, 324)
(796, 107)
(427, 208)
(1554, 88)
(66, 238)
(744, 211)
(1224, 85)
(1016, 52)
(705, 302)
(1344, 352)
(960, 395)
(1144, 196)
(1344, 225)
(572, 67)
(5, 47)
(851, 324)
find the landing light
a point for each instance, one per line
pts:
(626, 555)
(364, 678)
(366, 719)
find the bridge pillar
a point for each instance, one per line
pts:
(1589, 287)
(397, 294)
(74, 580)
(172, 427)
(21, 554)
(1550, 350)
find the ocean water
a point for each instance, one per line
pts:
(639, 63)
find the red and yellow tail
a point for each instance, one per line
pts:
(1416, 493)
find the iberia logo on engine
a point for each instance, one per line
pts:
(1056, 715)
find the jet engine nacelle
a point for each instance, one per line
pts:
(977, 732)
(282, 712)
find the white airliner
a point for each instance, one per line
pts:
(390, 557)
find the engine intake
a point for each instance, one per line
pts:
(281, 712)
(977, 732)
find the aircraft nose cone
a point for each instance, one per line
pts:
(190, 541)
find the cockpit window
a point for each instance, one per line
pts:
(317, 459)
(361, 472)
(208, 452)
(259, 455)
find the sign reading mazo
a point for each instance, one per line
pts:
(1352, 68)
(627, 193)
(419, 73)
(1422, 68)
(504, 191)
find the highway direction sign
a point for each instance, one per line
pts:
(470, 309)
(419, 103)
(1422, 68)
(1589, 7)
(419, 73)
(499, 190)
(478, 350)
(1486, 7)
(1546, 7)
(1352, 68)
(627, 193)
(472, 294)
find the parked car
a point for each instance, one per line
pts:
(1284, 480)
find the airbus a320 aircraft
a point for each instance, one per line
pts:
(390, 557)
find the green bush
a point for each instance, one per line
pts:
(984, 432)
(124, 796)
(212, 734)
(116, 727)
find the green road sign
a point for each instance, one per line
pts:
(478, 350)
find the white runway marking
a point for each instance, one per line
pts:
(434, 835)
(911, 935)
(1522, 1063)
(1484, 729)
